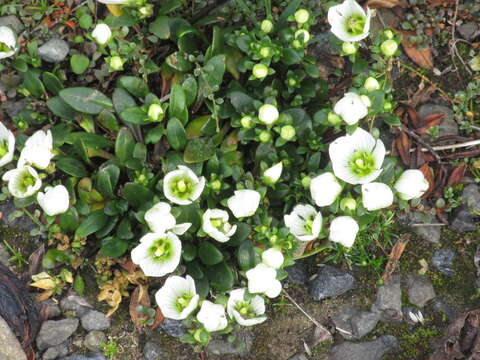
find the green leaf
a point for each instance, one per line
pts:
(31, 81)
(242, 233)
(134, 85)
(178, 106)
(51, 82)
(215, 69)
(114, 247)
(289, 10)
(90, 140)
(190, 88)
(72, 167)
(69, 220)
(160, 27)
(246, 255)
(195, 270)
(79, 63)
(378, 97)
(189, 252)
(107, 180)
(221, 276)
(61, 109)
(170, 5)
(291, 56)
(124, 230)
(122, 100)
(52, 257)
(241, 102)
(124, 145)
(137, 194)
(136, 115)
(209, 254)
(179, 61)
(79, 285)
(199, 150)
(92, 223)
(86, 100)
(176, 135)
(108, 120)
(391, 119)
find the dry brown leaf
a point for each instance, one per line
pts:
(422, 94)
(403, 145)
(376, 4)
(395, 255)
(457, 175)
(428, 174)
(422, 57)
(139, 297)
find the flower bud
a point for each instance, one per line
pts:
(389, 47)
(116, 63)
(266, 26)
(348, 204)
(246, 121)
(349, 48)
(155, 112)
(333, 118)
(302, 16)
(366, 100)
(387, 106)
(306, 180)
(265, 52)
(102, 33)
(146, 11)
(389, 34)
(268, 114)
(287, 132)
(216, 185)
(260, 71)
(303, 33)
(371, 84)
(272, 174)
(265, 136)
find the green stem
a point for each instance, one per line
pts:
(33, 218)
(310, 253)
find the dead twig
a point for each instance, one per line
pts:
(448, 147)
(422, 142)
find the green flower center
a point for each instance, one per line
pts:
(309, 225)
(245, 310)
(355, 24)
(362, 163)
(182, 187)
(183, 301)
(4, 47)
(3, 148)
(220, 225)
(26, 181)
(161, 250)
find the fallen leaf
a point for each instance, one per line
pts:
(138, 298)
(428, 174)
(422, 94)
(403, 145)
(395, 255)
(457, 175)
(375, 4)
(422, 57)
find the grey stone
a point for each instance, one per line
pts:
(12, 21)
(448, 126)
(54, 50)
(389, 300)
(13, 108)
(55, 332)
(94, 339)
(75, 303)
(89, 356)
(241, 346)
(95, 320)
(330, 282)
(441, 306)
(372, 350)
(297, 273)
(299, 356)
(464, 221)
(152, 351)
(89, 47)
(471, 198)
(420, 290)
(4, 256)
(443, 260)
(56, 352)
(51, 308)
(10, 348)
(323, 43)
(364, 322)
(469, 30)
(173, 328)
(411, 221)
(342, 320)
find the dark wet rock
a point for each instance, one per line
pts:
(364, 322)
(471, 198)
(55, 332)
(173, 328)
(10, 348)
(152, 351)
(412, 221)
(330, 282)
(448, 126)
(13, 108)
(299, 356)
(441, 306)
(372, 350)
(389, 300)
(54, 50)
(4, 256)
(75, 303)
(241, 346)
(420, 290)
(342, 320)
(56, 352)
(11, 21)
(464, 221)
(297, 273)
(443, 260)
(324, 43)
(94, 339)
(90, 356)
(469, 30)
(89, 47)
(51, 309)
(95, 320)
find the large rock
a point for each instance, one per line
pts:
(443, 261)
(241, 346)
(90, 356)
(297, 273)
(372, 350)
(448, 126)
(95, 320)
(10, 348)
(420, 290)
(330, 282)
(55, 332)
(389, 300)
(152, 351)
(11, 21)
(353, 323)
(464, 220)
(94, 340)
(173, 328)
(56, 352)
(469, 30)
(414, 220)
(54, 50)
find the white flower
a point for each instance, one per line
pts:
(102, 33)
(157, 254)
(215, 224)
(7, 145)
(246, 312)
(23, 181)
(182, 186)
(325, 189)
(38, 150)
(357, 158)
(155, 112)
(263, 279)
(272, 174)
(244, 203)
(348, 21)
(160, 220)
(376, 196)
(8, 42)
(177, 298)
(55, 200)
(343, 230)
(273, 257)
(411, 185)
(304, 222)
(212, 316)
(416, 317)
(351, 108)
(268, 114)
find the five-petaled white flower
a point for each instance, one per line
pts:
(348, 21)
(246, 312)
(160, 220)
(215, 224)
(38, 150)
(351, 108)
(8, 42)
(343, 230)
(55, 200)
(244, 203)
(102, 33)
(325, 189)
(7, 145)
(212, 316)
(273, 257)
(272, 174)
(304, 222)
(158, 254)
(411, 185)
(23, 181)
(177, 298)
(263, 279)
(357, 158)
(376, 196)
(182, 186)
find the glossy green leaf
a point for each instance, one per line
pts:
(134, 85)
(137, 194)
(51, 82)
(195, 270)
(246, 255)
(69, 220)
(92, 223)
(169, 5)
(178, 104)
(179, 61)
(61, 109)
(242, 233)
(79, 63)
(176, 135)
(135, 115)
(122, 100)
(160, 27)
(221, 276)
(79, 285)
(86, 100)
(71, 166)
(114, 247)
(199, 150)
(124, 145)
(124, 230)
(107, 180)
(32, 82)
(189, 252)
(190, 88)
(209, 254)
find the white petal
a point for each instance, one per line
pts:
(325, 189)
(343, 230)
(244, 203)
(273, 257)
(376, 196)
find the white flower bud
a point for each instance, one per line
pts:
(389, 47)
(371, 84)
(302, 16)
(343, 230)
(411, 185)
(349, 48)
(273, 257)
(268, 114)
(376, 196)
(54, 201)
(324, 189)
(155, 112)
(266, 26)
(260, 71)
(272, 174)
(102, 33)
